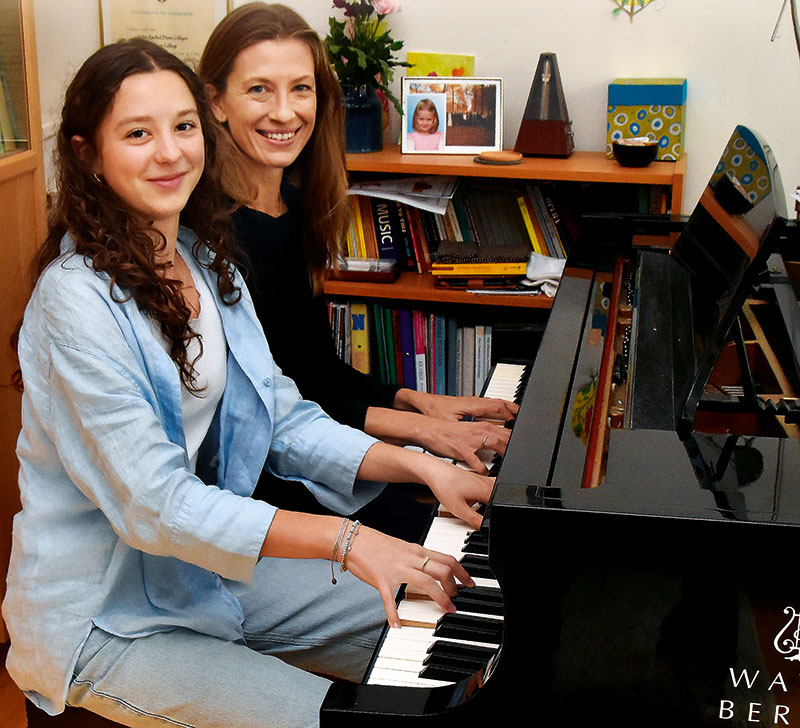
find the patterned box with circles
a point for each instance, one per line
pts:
(648, 107)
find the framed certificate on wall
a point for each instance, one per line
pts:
(180, 26)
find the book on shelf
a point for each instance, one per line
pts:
(359, 337)
(485, 230)
(424, 350)
(476, 259)
(420, 350)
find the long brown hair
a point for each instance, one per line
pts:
(104, 229)
(319, 169)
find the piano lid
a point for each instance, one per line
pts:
(724, 246)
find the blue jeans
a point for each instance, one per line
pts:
(295, 621)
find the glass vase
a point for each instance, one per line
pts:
(363, 119)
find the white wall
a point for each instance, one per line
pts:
(735, 73)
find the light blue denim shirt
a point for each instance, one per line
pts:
(115, 530)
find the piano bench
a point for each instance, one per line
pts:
(70, 718)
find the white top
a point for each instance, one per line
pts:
(210, 369)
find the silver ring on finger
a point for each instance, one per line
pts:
(483, 444)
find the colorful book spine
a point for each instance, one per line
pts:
(368, 227)
(359, 337)
(407, 348)
(355, 209)
(526, 217)
(385, 233)
(420, 351)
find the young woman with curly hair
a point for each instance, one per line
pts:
(145, 583)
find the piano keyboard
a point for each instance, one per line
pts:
(433, 648)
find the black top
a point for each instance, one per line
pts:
(295, 321)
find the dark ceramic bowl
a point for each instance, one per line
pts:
(634, 155)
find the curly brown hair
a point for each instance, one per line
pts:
(319, 169)
(105, 230)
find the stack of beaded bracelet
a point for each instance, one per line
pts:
(348, 544)
(336, 546)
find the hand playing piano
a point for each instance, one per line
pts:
(386, 562)
(444, 407)
(462, 441)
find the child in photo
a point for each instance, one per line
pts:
(426, 136)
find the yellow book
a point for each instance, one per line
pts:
(535, 242)
(359, 337)
(479, 269)
(359, 227)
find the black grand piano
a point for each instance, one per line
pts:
(646, 517)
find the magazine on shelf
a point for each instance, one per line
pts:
(426, 192)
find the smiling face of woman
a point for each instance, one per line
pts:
(149, 147)
(270, 102)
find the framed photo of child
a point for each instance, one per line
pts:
(451, 115)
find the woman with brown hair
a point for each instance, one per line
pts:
(145, 583)
(274, 93)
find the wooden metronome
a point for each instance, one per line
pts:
(546, 130)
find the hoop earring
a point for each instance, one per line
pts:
(99, 181)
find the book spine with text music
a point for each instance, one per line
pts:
(385, 236)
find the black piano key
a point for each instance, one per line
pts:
(453, 662)
(477, 565)
(456, 661)
(468, 627)
(476, 543)
(480, 606)
(472, 653)
(446, 672)
(488, 593)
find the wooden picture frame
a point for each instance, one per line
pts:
(451, 115)
(180, 26)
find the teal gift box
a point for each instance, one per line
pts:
(648, 107)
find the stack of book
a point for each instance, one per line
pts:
(459, 230)
(429, 352)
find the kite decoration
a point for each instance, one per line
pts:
(631, 7)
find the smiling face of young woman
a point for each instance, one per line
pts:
(149, 147)
(270, 102)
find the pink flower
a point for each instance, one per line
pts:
(385, 7)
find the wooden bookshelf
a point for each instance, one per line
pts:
(592, 167)
(578, 167)
(411, 286)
